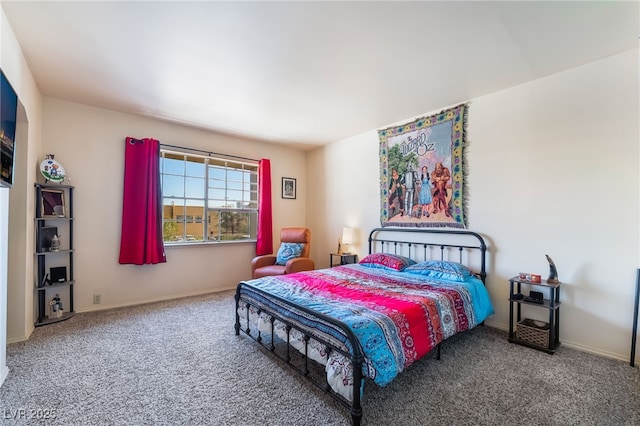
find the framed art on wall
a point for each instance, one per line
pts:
(423, 171)
(288, 188)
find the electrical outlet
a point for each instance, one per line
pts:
(97, 299)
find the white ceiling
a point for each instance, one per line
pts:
(305, 73)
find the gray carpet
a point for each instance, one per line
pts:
(179, 363)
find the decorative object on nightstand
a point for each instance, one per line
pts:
(345, 241)
(534, 278)
(541, 335)
(553, 272)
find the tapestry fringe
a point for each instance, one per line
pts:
(465, 172)
(425, 225)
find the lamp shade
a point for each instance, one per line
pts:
(347, 235)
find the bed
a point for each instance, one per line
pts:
(373, 319)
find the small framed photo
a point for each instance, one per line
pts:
(288, 188)
(53, 203)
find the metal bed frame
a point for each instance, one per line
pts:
(410, 247)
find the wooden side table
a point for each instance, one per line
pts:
(344, 259)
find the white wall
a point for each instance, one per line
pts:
(89, 142)
(16, 204)
(553, 169)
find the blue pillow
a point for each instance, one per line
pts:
(440, 269)
(288, 251)
(387, 261)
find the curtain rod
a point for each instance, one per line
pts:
(209, 153)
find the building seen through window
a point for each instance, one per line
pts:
(207, 199)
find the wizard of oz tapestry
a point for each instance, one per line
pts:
(422, 171)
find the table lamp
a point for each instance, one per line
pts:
(346, 240)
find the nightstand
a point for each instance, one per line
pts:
(344, 258)
(539, 335)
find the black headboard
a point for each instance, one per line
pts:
(420, 244)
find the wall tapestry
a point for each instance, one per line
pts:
(422, 171)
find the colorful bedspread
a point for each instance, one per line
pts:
(397, 317)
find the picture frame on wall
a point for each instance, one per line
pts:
(288, 188)
(52, 203)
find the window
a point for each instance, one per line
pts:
(207, 199)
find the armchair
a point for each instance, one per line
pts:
(266, 265)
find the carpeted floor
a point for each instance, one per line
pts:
(180, 363)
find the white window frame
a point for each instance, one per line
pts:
(210, 205)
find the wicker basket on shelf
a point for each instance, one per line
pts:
(530, 331)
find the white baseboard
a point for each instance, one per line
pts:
(17, 339)
(105, 307)
(21, 338)
(595, 351)
(96, 308)
(572, 345)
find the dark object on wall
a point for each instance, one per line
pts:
(59, 274)
(8, 118)
(632, 362)
(553, 272)
(45, 236)
(288, 188)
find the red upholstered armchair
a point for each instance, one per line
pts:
(266, 265)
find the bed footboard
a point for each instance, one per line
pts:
(300, 361)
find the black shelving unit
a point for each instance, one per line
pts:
(47, 259)
(550, 329)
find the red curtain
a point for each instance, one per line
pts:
(141, 241)
(264, 243)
